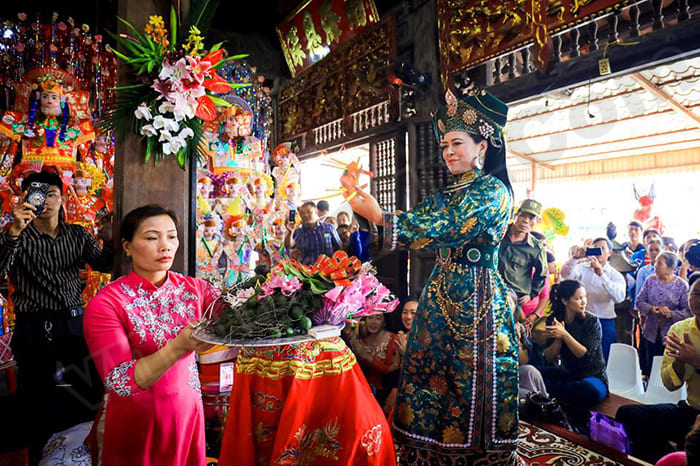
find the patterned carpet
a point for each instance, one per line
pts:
(539, 447)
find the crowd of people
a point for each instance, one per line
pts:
(568, 316)
(496, 305)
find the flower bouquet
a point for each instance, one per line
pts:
(295, 297)
(175, 88)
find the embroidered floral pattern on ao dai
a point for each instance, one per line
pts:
(128, 320)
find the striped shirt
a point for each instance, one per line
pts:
(312, 242)
(44, 270)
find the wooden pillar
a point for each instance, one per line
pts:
(137, 183)
(533, 179)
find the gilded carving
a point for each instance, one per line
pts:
(314, 43)
(295, 51)
(330, 22)
(348, 80)
(355, 13)
(472, 31)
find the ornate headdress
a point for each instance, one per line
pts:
(479, 113)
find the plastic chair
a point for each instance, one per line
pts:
(657, 391)
(624, 373)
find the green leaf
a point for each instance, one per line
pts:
(318, 286)
(182, 158)
(131, 86)
(173, 26)
(149, 148)
(121, 56)
(234, 57)
(201, 14)
(128, 44)
(151, 45)
(215, 47)
(136, 34)
(219, 102)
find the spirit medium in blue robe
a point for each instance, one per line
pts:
(457, 401)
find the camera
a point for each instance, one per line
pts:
(292, 216)
(594, 251)
(36, 196)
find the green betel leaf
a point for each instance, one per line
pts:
(317, 286)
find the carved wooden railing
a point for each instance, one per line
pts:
(364, 120)
(641, 18)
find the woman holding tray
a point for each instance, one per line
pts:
(139, 334)
(457, 399)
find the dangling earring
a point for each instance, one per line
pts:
(480, 160)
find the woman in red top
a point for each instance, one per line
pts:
(377, 352)
(138, 331)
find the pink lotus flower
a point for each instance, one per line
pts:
(365, 296)
(287, 285)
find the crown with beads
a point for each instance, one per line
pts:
(478, 112)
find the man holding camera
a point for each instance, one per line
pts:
(42, 256)
(313, 238)
(604, 285)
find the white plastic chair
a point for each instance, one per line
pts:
(657, 391)
(624, 373)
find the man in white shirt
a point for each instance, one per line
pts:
(604, 285)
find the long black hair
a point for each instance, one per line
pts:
(495, 163)
(560, 292)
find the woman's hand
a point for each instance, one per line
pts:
(401, 340)
(350, 180)
(556, 330)
(185, 341)
(665, 311)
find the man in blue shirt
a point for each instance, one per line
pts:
(313, 238)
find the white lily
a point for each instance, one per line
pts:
(165, 136)
(149, 130)
(166, 107)
(177, 143)
(186, 133)
(159, 122)
(143, 112)
(173, 146)
(171, 125)
(167, 148)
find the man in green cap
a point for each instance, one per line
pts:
(523, 260)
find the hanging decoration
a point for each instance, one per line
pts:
(643, 213)
(553, 223)
(177, 88)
